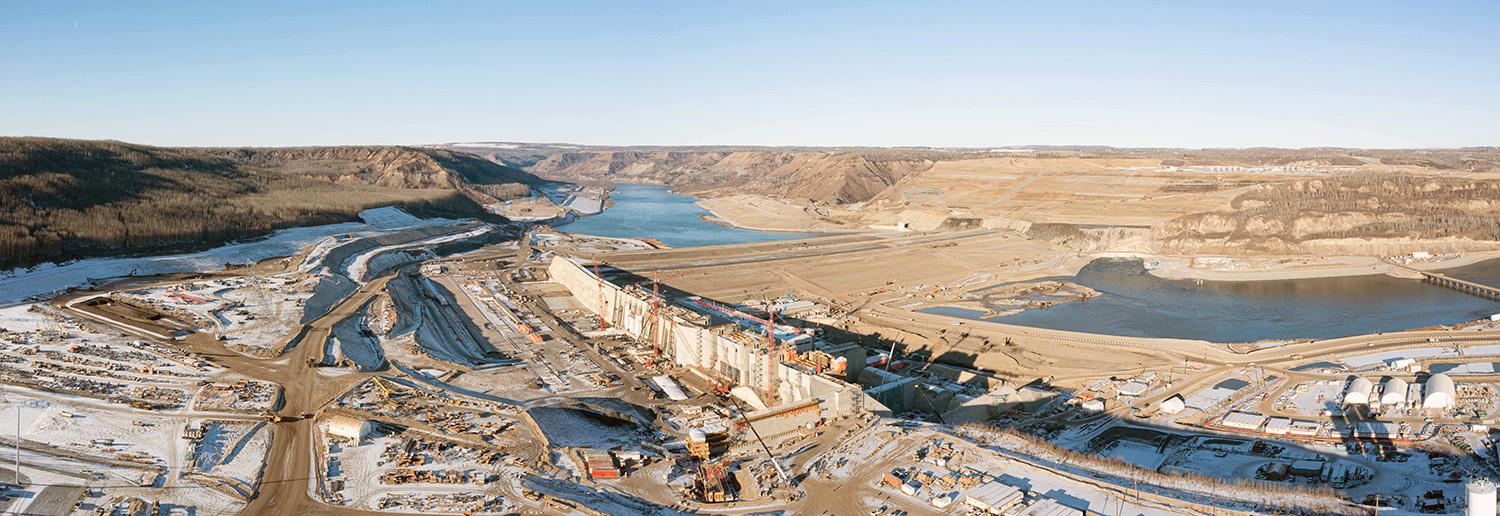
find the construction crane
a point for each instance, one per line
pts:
(603, 308)
(656, 329)
(383, 389)
(774, 348)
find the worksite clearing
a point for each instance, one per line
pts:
(461, 367)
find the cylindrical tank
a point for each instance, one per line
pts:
(1358, 392)
(1440, 392)
(1393, 392)
(1481, 494)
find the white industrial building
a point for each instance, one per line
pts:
(724, 351)
(1440, 392)
(1173, 405)
(1358, 392)
(1244, 420)
(348, 428)
(1393, 392)
(1133, 388)
(1304, 428)
(994, 497)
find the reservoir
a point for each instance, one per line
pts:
(1138, 304)
(651, 211)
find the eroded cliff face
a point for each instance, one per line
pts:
(835, 177)
(1357, 214)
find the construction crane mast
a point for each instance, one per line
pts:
(603, 307)
(774, 348)
(656, 329)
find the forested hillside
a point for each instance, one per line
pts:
(66, 199)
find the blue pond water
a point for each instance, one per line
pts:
(650, 211)
(1136, 303)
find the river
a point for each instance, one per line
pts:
(1136, 303)
(651, 211)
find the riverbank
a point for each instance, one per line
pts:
(759, 213)
(1298, 267)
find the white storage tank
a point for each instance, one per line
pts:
(1481, 494)
(1358, 392)
(1393, 392)
(1440, 392)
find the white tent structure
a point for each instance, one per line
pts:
(1358, 392)
(345, 427)
(1393, 392)
(1440, 392)
(1173, 405)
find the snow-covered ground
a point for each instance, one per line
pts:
(360, 471)
(359, 264)
(251, 313)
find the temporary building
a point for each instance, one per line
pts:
(1358, 392)
(1244, 420)
(1173, 405)
(994, 497)
(346, 427)
(670, 388)
(1440, 392)
(1133, 388)
(1393, 392)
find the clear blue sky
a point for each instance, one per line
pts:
(1194, 74)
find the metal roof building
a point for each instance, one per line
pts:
(1244, 420)
(994, 497)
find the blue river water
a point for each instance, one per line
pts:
(1136, 303)
(650, 211)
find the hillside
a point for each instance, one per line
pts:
(1223, 201)
(66, 199)
(1356, 214)
(833, 176)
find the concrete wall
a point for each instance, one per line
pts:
(687, 343)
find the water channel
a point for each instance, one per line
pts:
(651, 211)
(1135, 303)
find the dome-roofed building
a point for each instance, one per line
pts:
(1393, 392)
(1440, 392)
(1358, 392)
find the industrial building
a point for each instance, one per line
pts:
(994, 497)
(1440, 392)
(1358, 392)
(1393, 392)
(726, 346)
(348, 428)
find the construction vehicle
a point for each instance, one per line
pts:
(385, 391)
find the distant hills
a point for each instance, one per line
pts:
(65, 199)
(841, 175)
